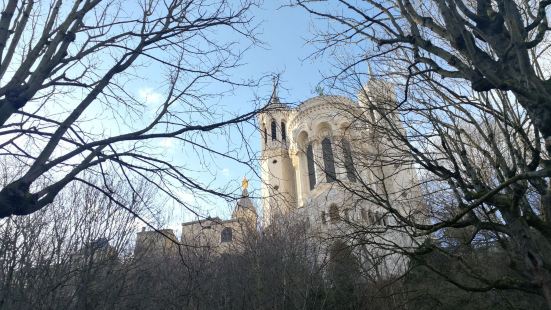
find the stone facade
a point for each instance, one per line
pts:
(155, 243)
(310, 168)
(307, 148)
(211, 234)
(222, 236)
(310, 165)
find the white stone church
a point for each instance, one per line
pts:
(315, 159)
(319, 157)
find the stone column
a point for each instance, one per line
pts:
(338, 154)
(298, 165)
(318, 162)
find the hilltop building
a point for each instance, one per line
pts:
(213, 234)
(224, 235)
(318, 155)
(313, 157)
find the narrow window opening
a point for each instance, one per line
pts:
(363, 214)
(348, 161)
(311, 167)
(274, 131)
(226, 235)
(371, 218)
(323, 219)
(379, 218)
(334, 214)
(283, 132)
(265, 134)
(328, 160)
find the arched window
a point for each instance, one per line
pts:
(334, 213)
(328, 160)
(348, 162)
(274, 130)
(283, 132)
(311, 167)
(371, 218)
(226, 235)
(347, 214)
(265, 134)
(363, 214)
(379, 218)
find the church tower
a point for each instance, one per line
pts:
(244, 210)
(278, 177)
(378, 99)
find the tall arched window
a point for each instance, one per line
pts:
(348, 162)
(265, 134)
(372, 218)
(311, 167)
(328, 160)
(274, 130)
(226, 235)
(363, 214)
(283, 132)
(334, 215)
(379, 218)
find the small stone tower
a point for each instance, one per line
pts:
(278, 177)
(244, 211)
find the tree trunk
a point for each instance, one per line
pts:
(533, 251)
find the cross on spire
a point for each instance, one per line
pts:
(369, 70)
(275, 81)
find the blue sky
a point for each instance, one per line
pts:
(284, 32)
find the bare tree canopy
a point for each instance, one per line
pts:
(66, 105)
(492, 44)
(472, 119)
(445, 184)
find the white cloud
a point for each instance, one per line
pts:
(166, 143)
(186, 197)
(149, 96)
(225, 172)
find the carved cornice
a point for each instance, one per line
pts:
(316, 105)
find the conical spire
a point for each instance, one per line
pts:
(274, 98)
(369, 70)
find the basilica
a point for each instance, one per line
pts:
(315, 158)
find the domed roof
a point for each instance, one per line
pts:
(325, 99)
(244, 203)
(324, 105)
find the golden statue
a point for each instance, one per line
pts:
(245, 183)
